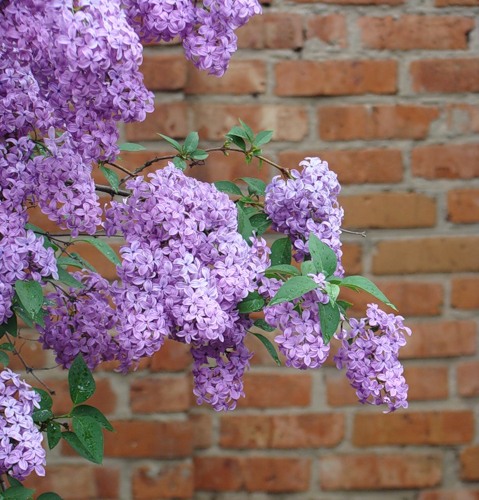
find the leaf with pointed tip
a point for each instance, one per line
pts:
(171, 141)
(281, 252)
(111, 177)
(228, 187)
(329, 318)
(253, 302)
(191, 142)
(103, 247)
(80, 380)
(294, 288)
(323, 256)
(269, 347)
(361, 283)
(131, 146)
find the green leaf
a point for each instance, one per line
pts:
(131, 146)
(40, 416)
(238, 132)
(90, 435)
(238, 141)
(4, 359)
(172, 142)
(72, 439)
(252, 303)
(333, 291)
(255, 186)
(10, 326)
(111, 176)
(46, 401)
(269, 347)
(308, 267)
(54, 434)
(244, 225)
(18, 493)
(294, 288)
(85, 264)
(30, 320)
(248, 131)
(103, 247)
(34, 228)
(199, 154)
(30, 295)
(191, 142)
(260, 222)
(94, 413)
(7, 346)
(263, 137)
(323, 256)
(228, 187)
(361, 283)
(179, 163)
(343, 305)
(329, 318)
(261, 323)
(81, 382)
(69, 261)
(49, 495)
(65, 277)
(281, 270)
(281, 252)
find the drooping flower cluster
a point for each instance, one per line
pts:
(80, 321)
(307, 203)
(21, 449)
(185, 268)
(369, 353)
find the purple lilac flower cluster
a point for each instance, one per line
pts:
(369, 353)
(21, 442)
(185, 268)
(80, 321)
(307, 203)
(207, 29)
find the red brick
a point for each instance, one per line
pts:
(379, 472)
(388, 210)
(313, 78)
(355, 166)
(462, 119)
(442, 339)
(427, 255)
(212, 121)
(164, 72)
(426, 383)
(463, 206)
(149, 439)
(163, 481)
(413, 428)
(272, 31)
(449, 495)
(252, 474)
(32, 353)
(464, 294)
(462, 3)
(445, 75)
(243, 77)
(172, 357)
(78, 482)
(314, 430)
(167, 118)
(354, 2)
(346, 123)
(160, 395)
(330, 29)
(469, 459)
(202, 426)
(468, 379)
(446, 161)
(276, 390)
(352, 258)
(410, 32)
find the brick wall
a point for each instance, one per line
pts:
(387, 92)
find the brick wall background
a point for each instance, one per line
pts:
(387, 92)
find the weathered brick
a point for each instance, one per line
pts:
(462, 119)
(468, 379)
(463, 206)
(427, 255)
(202, 425)
(354, 2)
(461, 3)
(312, 78)
(164, 72)
(330, 29)
(408, 428)
(272, 31)
(388, 210)
(253, 474)
(355, 166)
(165, 481)
(159, 395)
(172, 357)
(312, 430)
(410, 32)
(243, 77)
(212, 121)
(346, 123)
(446, 161)
(379, 472)
(441, 339)
(352, 258)
(448, 494)
(464, 293)
(276, 390)
(469, 460)
(445, 75)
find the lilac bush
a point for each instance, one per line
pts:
(193, 267)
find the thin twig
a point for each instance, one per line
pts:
(110, 190)
(119, 167)
(357, 233)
